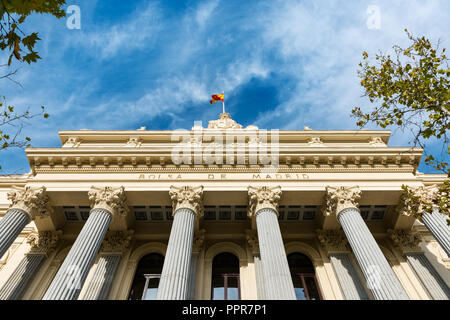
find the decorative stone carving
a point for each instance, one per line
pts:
(43, 242)
(72, 142)
(408, 207)
(134, 142)
(252, 240)
(315, 141)
(333, 240)
(187, 197)
(112, 199)
(337, 199)
(263, 197)
(34, 201)
(407, 241)
(377, 142)
(224, 122)
(198, 241)
(116, 241)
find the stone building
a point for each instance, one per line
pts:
(222, 212)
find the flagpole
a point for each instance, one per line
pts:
(223, 102)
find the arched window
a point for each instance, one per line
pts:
(303, 277)
(146, 279)
(225, 277)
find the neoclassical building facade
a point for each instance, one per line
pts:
(222, 212)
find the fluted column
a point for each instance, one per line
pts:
(436, 222)
(105, 203)
(263, 207)
(26, 204)
(186, 202)
(252, 240)
(335, 244)
(408, 243)
(197, 247)
(42, 244)
(111, 251)
(381, 279)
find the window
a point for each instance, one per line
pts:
(146, 280)
(225, 277)
(303, 277)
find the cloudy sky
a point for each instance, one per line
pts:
(282, 64)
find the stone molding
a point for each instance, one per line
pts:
(198, 241)
(34, 201)
(407, 207)
(187, 197)
(405, 240)
(316, 141)
(252, 240)
(340, 198)
(333, 240)
(116, 241)
(112, 199)
(263, 198)
(224, 122)
(377, 142)
(43, 242)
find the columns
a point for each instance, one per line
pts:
(381, 279)
(263, 207)
(197, 247)
(114, 245)
(41, 245)
(436, 222)
(336, 245)
(105, 202)
(187, 208)
(252, 240)
(407, 242)
(26, 204)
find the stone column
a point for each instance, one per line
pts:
(197, 247)
(252, 240)
(42, 244)
(407, 242)
(27, 203)
(111, 251)
(381, 279)
(105, 202)
(435, 222)
(263, 207)
(187, 208)
(336, 245)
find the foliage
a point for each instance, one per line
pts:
(411, 91)
(13, 14)
(14, 40)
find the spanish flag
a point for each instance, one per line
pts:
(216, 97)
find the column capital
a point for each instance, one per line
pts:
(43, 242)
(252, 240)
(112, 199)
(187, 197)
(116, 241)
(333, 240)
(412, 198)
(340, 198)
(198, 241)
(33, 200)
(406, 240)
(263, 198)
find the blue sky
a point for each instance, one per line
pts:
(282, 64)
